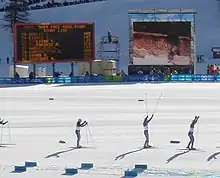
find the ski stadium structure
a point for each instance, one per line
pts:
(113, 15)
(38, 119)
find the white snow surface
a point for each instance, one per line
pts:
(115, 118)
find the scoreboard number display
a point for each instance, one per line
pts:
(54, 42)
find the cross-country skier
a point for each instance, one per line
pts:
(78, 128)
(2, 122)
(145, 124)
(190, 133)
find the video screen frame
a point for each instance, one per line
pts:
(144, 17)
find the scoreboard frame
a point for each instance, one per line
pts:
(16, 61)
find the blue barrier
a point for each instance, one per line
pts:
(113, 79)
(71, 171)
(141, 166)
(86, 165)
(130, 173)
(30, 164)
(19, 169)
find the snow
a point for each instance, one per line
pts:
(115, 118)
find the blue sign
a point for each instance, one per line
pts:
(162, 17)
(100, 79)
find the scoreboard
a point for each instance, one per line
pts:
(54, 42)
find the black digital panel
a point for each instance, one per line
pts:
(38, 43)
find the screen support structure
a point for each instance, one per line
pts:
(171, 15)
(109, 50)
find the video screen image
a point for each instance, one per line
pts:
(161, 43)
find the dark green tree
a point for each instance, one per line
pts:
(15, 12)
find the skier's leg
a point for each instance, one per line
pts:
(146, 144)
(192, 140)
(189, 141)
(148, 139)
(78, 138)
(189, 144)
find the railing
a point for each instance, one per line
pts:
(114, 79)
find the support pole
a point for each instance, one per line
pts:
(54, 68)
(34, 69)
(90, 67)
(72, 68)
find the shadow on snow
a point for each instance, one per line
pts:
(56, 154)
(213, 156)
(127, 153)
(177, 155)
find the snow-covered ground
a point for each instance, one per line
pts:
(115, 119)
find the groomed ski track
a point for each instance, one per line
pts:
(115, 118)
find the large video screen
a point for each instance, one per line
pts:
(161, 43)
(54, 42)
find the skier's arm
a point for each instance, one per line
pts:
(84, 124)
(196, 120)
(150, 118)
(1, 121)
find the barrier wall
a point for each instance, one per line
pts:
(101, 79)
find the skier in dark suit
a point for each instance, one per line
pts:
(77, 131)
(190, 133)
(145, 124)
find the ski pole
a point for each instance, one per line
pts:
(9, 132)
(197, 132)
(157, 103)
(86, 135)
(146, 103)
(89, 132)
(1, 134)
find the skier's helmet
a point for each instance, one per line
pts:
(79, 120)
